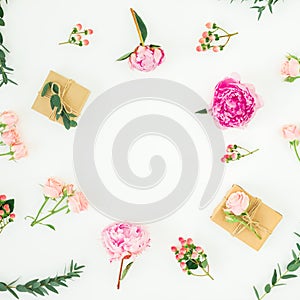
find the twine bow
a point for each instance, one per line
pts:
(63, 104)
(249, 221)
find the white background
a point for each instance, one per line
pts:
(33, 31)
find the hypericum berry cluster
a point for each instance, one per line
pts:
(191, 257)
(6, 211)
(211, 39)
(234, 152)
(76, 36)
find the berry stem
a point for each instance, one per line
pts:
(63, 43)
(137, 27)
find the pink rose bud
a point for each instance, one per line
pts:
(202, 41)
(85, 42)
(205, 34)
(9, 118)
(6, 207)
(2, 197)
(290, 68)
(183, 242)
(1, 212)
(238, 203)
(291, 132)
(216, 49)
(78, 26)
(229, 148)
(19, 150)
(174, 249)
(198, 48)
(78, 37)
(90, 31)
(209, 25)
(69, 189)
(189, 241)
(12, 216)
(177, 258)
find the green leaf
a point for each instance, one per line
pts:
(154, 46)
(55, 101)
(21, 288)
(126, 270)
(191, 265)
(3, 287)
(204, 264)
(298, 246)
(202, 111)
(50, 226)
(1, 38)
(297, 234)
(142, 26)
(1, 12)
(125, 56)
(2, 23)
(13, 292)
(293, 266)
(45, 88)
(73, 123)
(256, 293)
(268, 288)
(51, 288)
(294, 255)
(2, 54)
(55, 88)
(274, 278)
(66, 122)
(289, 276)
(279, 269)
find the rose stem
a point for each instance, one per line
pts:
(295, 149)
(120, 273)
(137, 26)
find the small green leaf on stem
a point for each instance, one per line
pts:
(202, 111)
(127, 268)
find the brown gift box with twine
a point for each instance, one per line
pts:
(73, 97)
(260, 216)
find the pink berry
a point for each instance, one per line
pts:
(211, 37)
(78, 37)
(182, 250)
(12, 216)
(234, 156)
(180, 239)
(173, 249)
(209, 25)
(199, 48)
(216, 49)
(202, 41)
(223, 159)
(6, 207)
(90, 31)
(189, 241)
(2, 197)
(183, 242)
(205, 34)
(1, 212)
(180, 256)
(183, 265)
(194, 255)
(78, 26)
(229, 148)
(199, 249)
(85, 42)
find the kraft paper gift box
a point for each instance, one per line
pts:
(263, 218)
(72, 94)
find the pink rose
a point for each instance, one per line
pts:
(234, 103)
(122, 239)
(9, 118)
(19, 150)
(10, 137)
(53, 188)
(291, 132)
(146, 59)
(78, 202)
(237, 203)
(290, 67)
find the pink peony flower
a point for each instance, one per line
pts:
(123, 239)
(146, 59)
(53, 188)
(290, 67)
(237, 203)
(9, 118)
(19, 150)
(291, 132)
(234, 103)
(78, 202)
(10, 137)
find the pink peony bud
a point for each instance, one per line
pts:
(6, 207)
(90, 31)
(78, 26)
(2, 197)
(85, 42)
(234, 156)
(209, 25)
(223, 159)
(211, 37)
(173, 249)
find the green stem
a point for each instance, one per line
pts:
(295, 149)
(8, 153)
(34, 222)
(50, 214)
(63, 43)
(58, 203)
(249, 153)
(249, 228)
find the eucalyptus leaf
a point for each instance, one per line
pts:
(256, 293)
(289, 276)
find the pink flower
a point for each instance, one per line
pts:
(209, 25)
(146, 59)
(174, 249)
(78, 26)
(9, 118)
(290, 67)
(78, 202)
(85, 42)
(90, 31)
(229, 148)
(291, 132)
(6, 208)
(53, 188)
(10, 137)
(237, 203)
(19, 150)
(122, 239)
(2, 197)
(12, 216)
(234, 103)
(183, 250)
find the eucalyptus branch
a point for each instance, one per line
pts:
(42, 287)
(262, 5)
(292, 267)
(4, 69)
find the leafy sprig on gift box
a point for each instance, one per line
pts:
(42, 287)
(4, 69)
(56, 103)
(262, 5)
(292, 267)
